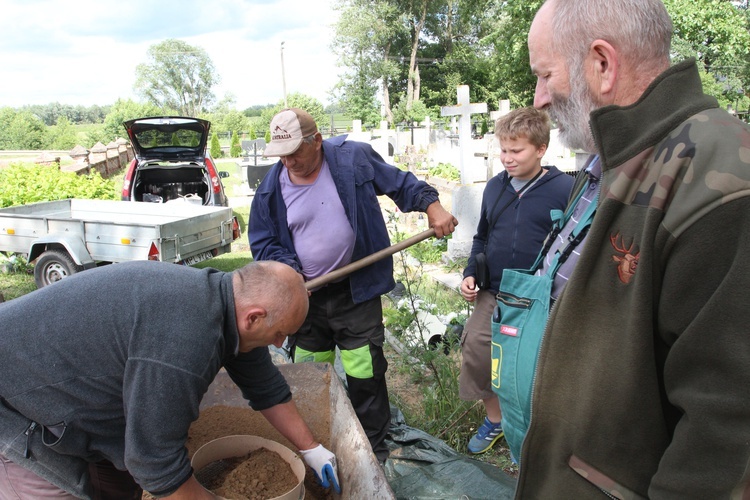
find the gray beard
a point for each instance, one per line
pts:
(572, 115)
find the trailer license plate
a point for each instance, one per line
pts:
(196, 258)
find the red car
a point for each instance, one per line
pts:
(171, 162)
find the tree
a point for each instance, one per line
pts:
(22, 130)
(124, 110)
(235, 151)
(715, 32)
(294, 100)
(215, 146)
(235, 121)
(510, 55)
(177, 76)
(367, 35)
(64, 134)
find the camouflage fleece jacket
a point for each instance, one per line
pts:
(643, 380)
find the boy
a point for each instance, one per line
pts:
(515, 219)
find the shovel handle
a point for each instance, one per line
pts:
(366, 261)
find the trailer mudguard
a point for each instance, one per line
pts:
(72, 244)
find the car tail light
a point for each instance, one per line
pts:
(214, 175)
(128, 180)
(153, 252)
(235, 229)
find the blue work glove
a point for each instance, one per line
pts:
(323, 463)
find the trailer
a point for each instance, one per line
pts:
(69, 236)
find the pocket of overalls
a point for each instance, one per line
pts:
(508, 319)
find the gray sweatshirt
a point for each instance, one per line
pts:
(112, 363)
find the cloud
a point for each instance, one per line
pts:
(85, 52)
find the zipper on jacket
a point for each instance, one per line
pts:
(28, 432)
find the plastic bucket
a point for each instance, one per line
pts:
(238, 446)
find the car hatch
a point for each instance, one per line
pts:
(168, 138)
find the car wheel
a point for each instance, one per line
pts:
(52, 266)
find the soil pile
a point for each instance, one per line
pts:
(219, 421)
(259, 475)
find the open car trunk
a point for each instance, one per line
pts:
(161, 185)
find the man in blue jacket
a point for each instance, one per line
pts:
(317, 210)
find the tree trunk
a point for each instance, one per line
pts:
(387, 102)
(412, 87)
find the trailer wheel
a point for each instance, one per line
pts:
(54, 265)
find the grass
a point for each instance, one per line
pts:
(14, 285)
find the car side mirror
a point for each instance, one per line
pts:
(223, 174)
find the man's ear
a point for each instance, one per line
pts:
(541, 150)
(251, 316)
(604, 62)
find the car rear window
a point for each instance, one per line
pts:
(153, 138)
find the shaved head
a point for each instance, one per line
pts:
(276, 287)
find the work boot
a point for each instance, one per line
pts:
(486, 436)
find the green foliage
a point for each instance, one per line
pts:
(93, 135)
(434, 369)
(122, 111)
(24, 183)
(295, 100)
(715, 32)
(22, 130)
(417, 113)
(429, 251)
(16, 283)
(51, 113)
(252, 134)
(235, 150)
(445, 171)
(215, 146)
(267, 136)
(63, 134)
(14, 263)
(255, 111)
(234, 121)
(177, 76)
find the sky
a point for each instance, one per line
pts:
(84, 52)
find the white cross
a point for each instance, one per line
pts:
(464, 110)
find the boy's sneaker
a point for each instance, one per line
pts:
(486, 436)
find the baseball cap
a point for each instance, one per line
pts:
(288, 128)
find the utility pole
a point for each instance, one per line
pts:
(283, 76)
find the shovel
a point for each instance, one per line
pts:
(366, 261)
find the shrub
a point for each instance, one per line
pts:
(235, 150)
(215, 146)
(445, 171)
(25, 183)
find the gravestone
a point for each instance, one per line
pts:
(468, 167)
(383, 141)
(494, 165)
(357, 134)
(466, 199)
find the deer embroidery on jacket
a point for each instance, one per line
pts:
(627, 263)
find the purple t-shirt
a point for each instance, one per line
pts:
(322, 235)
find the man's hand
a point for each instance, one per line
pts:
(469, 288)
(323, 463)
(440, 219)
